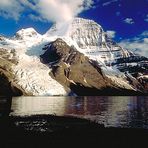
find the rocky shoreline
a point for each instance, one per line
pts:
(65, 131)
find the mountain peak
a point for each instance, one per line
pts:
(26, 33)
(67, 28)
(79, 20)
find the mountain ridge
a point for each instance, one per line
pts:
(88, 38)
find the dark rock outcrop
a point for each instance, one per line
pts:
(8, 88)
(75, 71)
(136, 66)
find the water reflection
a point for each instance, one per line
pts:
(22, 106)
(110, 111)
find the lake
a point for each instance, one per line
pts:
(113, 111)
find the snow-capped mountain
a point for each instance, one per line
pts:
(24, 34)
(90, 38)
(29, 73)
(87, 37)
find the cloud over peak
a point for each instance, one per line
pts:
(49, 10)
(61, 10)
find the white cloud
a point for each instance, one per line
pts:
(129, 21)
(50, 10)
(111, 33)
(146, 19)
(109, 2)
(10, 9)
(138, 44)
(145, 34)
(36, 18)
(61, 10)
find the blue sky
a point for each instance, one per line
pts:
(113, 16)
(127, 18)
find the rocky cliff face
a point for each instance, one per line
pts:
(7, 86)
(136, 66)
(76, 71)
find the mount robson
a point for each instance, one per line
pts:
(72, 58)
